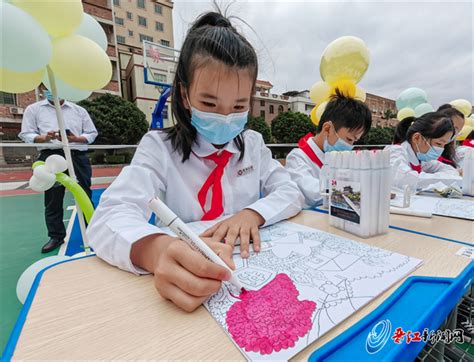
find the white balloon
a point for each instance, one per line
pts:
(56, 164)
(43, 174)
(39, 185)
(27, 278)
(25, 45)
(65, 91)
(90, 28)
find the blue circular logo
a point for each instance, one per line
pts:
(378, 336)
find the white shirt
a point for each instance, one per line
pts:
(306, 173)
(258, 182)
(432, 172)
(40, 118)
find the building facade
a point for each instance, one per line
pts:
(266, 104)
(136, 21)
(379, 106)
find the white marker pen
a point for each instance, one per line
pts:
(169, 218)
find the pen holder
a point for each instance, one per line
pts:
(359, 193)
(468, 172)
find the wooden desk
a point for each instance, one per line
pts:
(86, 309)
(445, 227)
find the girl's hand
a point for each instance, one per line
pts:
(243, 225)
(182, 274)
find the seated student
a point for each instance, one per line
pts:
(461, 150)
(344, 122)
(449, 155)
(203, 167)
(418, 143)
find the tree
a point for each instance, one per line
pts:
(118, 121)
(259, 125)
(388, 114)
(289, 127)
(378, 136)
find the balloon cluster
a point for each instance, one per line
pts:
(55, 34)
(465, 107)
(343, 64)
(46, 174)
(412, 102)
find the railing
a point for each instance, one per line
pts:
(15, 154)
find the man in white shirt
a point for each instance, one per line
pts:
(40, 126)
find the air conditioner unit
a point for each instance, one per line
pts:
(16, 110)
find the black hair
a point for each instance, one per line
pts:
(430, 125)
(450, 111)
(346, 112)
(449, 152)
(211, 36)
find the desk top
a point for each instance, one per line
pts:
(87, 309)
(441, 226)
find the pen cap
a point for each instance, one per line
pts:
(162, 211)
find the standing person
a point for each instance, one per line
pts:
(40, 126)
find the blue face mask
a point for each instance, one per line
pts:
(48, 95)
(433, 153)
(340, 145)
(216, 128)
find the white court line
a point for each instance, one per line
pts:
(63, 247)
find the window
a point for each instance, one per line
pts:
(119, 21)
(7, 98)
(308, 107)
(130, 33)
(141, 4)
(262, 103)
(141, 21)
(158, 9)
(159, 26)
(159, 77)
(120, 39)
(271, 109)
(280, 109)
(166, 43)
(117, 2)
(129, 15)
(146, 37)
(262, 114)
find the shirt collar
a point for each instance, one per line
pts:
(411, 153)
(202, 148)
(319, 153)
(45, 102)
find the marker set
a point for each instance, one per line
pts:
(468, 172)
(359, 193)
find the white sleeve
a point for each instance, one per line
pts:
(281, 197)
(436, 171)
(122, 216)
(460, 153)
(302, 174)
(88, 128)
(403, 175)
(29, 129)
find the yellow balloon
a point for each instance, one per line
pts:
(320, 111)
(58, 17)
(404, 113)
(320, 92)
(80, 62)
(463, 106)
(313, 115)
(345, 58)
(361, 94)
(346, 86)
(469, 121)
(464, 133)
(19, 82)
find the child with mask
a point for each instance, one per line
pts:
(343, 122)
(204, 167)
(418, 143)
